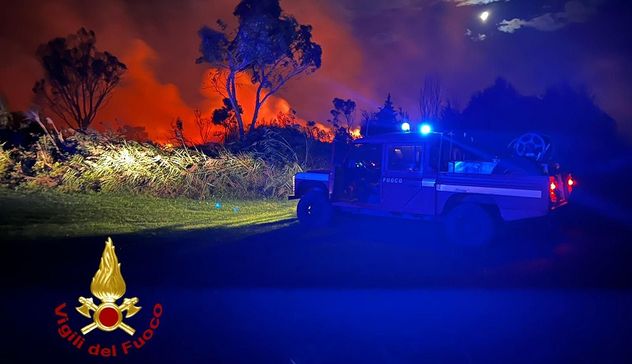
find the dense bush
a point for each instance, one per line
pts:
(100, 163)
(5, 160)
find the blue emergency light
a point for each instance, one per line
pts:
(405, 127)
(425, 129)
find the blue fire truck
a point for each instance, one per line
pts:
(430, 175)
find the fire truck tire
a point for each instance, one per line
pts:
(313, 209)
(469, 224)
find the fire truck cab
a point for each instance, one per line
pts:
(432, 176)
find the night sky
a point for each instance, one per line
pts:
(370, 48)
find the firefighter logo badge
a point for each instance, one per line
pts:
(108, 286)
(106, 314)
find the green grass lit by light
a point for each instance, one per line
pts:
(50, 214)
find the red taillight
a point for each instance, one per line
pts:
(552, 189)
(570, 183)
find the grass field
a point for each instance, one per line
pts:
(50, 214)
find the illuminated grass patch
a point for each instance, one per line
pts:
(51, 214)
(101, 163)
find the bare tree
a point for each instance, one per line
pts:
(204, 125)
(430, 99)
(78, 78)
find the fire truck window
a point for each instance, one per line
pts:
(365, 156)
(404, 158)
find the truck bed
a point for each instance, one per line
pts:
(516, 196)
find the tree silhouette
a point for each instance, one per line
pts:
(268, 46)
(385, 120)
(582, 134)
(342, 128)
(345, 108)
(500, 108)
(450, 117)
(77, 77)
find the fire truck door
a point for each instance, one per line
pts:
(402, 177)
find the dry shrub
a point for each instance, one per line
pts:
(5, 161)
(98, 163)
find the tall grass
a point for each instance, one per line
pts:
(99, 163)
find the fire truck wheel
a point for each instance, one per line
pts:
(314, 209)
(469, 224)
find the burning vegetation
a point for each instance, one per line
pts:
(249, 63)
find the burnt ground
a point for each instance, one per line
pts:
(365, 290)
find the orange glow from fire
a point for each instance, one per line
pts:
(163, 82)
(143, 101)
(271, 113)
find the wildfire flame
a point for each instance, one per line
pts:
(108, 284)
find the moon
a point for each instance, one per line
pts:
(484, 15)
